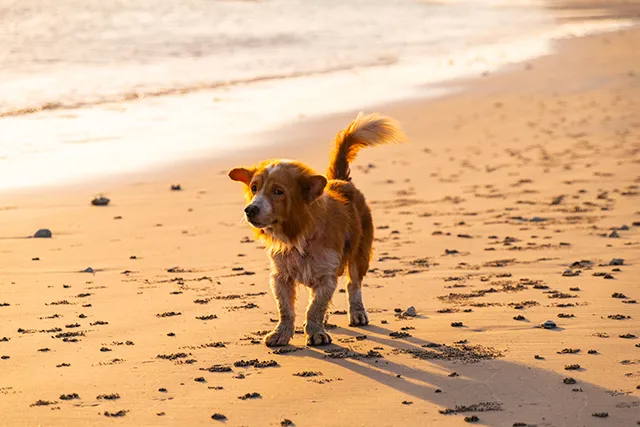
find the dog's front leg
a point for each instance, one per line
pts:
(284, 290)
(320, 297)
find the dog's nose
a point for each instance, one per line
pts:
(252, 211)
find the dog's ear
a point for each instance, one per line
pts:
(313, 187)
(242, 175)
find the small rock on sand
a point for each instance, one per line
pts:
(571, 273)
(549, 324)
(176, 187)
(43, 233)
(616, 261)
(88, 270)
(411, 312)
(100, 201)
(614, 235)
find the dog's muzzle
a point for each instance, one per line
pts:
(252, 212)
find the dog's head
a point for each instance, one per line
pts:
(279, 194)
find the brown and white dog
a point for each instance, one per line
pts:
(315, 228)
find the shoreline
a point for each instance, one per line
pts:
(250, 140)
(281, 139)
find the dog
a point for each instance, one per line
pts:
(315, 228)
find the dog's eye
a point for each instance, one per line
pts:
(254, 188)
(278, 192)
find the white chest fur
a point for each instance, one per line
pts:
(307, 268)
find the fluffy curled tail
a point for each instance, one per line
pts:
(364, 131)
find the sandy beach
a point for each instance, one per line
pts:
(515, 202)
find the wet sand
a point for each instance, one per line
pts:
(516, 202)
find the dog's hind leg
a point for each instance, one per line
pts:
(358, 267)
(284, 289)
(320, 297)
(357, 312)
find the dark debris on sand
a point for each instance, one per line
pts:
(217, 368)
(398, 335)
(286, 350)
(307, 374)
(168, 314)
(209, 317)
(120, 413)
(41, 402)
(172, 356)
(253, 395)
(69, 396)
(344, 353)
(214, 344)
(476, 407)
(569, 351)
(255, 363)
(112, 396)
(463, 353)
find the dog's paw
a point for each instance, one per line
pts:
(277, 338)
(358, 318)
(319, 338)
(316, 335)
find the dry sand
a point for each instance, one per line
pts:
(502, 188)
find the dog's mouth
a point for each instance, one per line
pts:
(258, 224)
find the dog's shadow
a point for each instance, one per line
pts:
(448, 382)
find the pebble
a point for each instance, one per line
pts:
(176, 187)
(100, 201)
(43, 233)
(571, 273)
(88, 270)
(614, 235)
(616, 261)
(549, 324)
(411, 312)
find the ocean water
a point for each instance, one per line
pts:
(90, 88)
